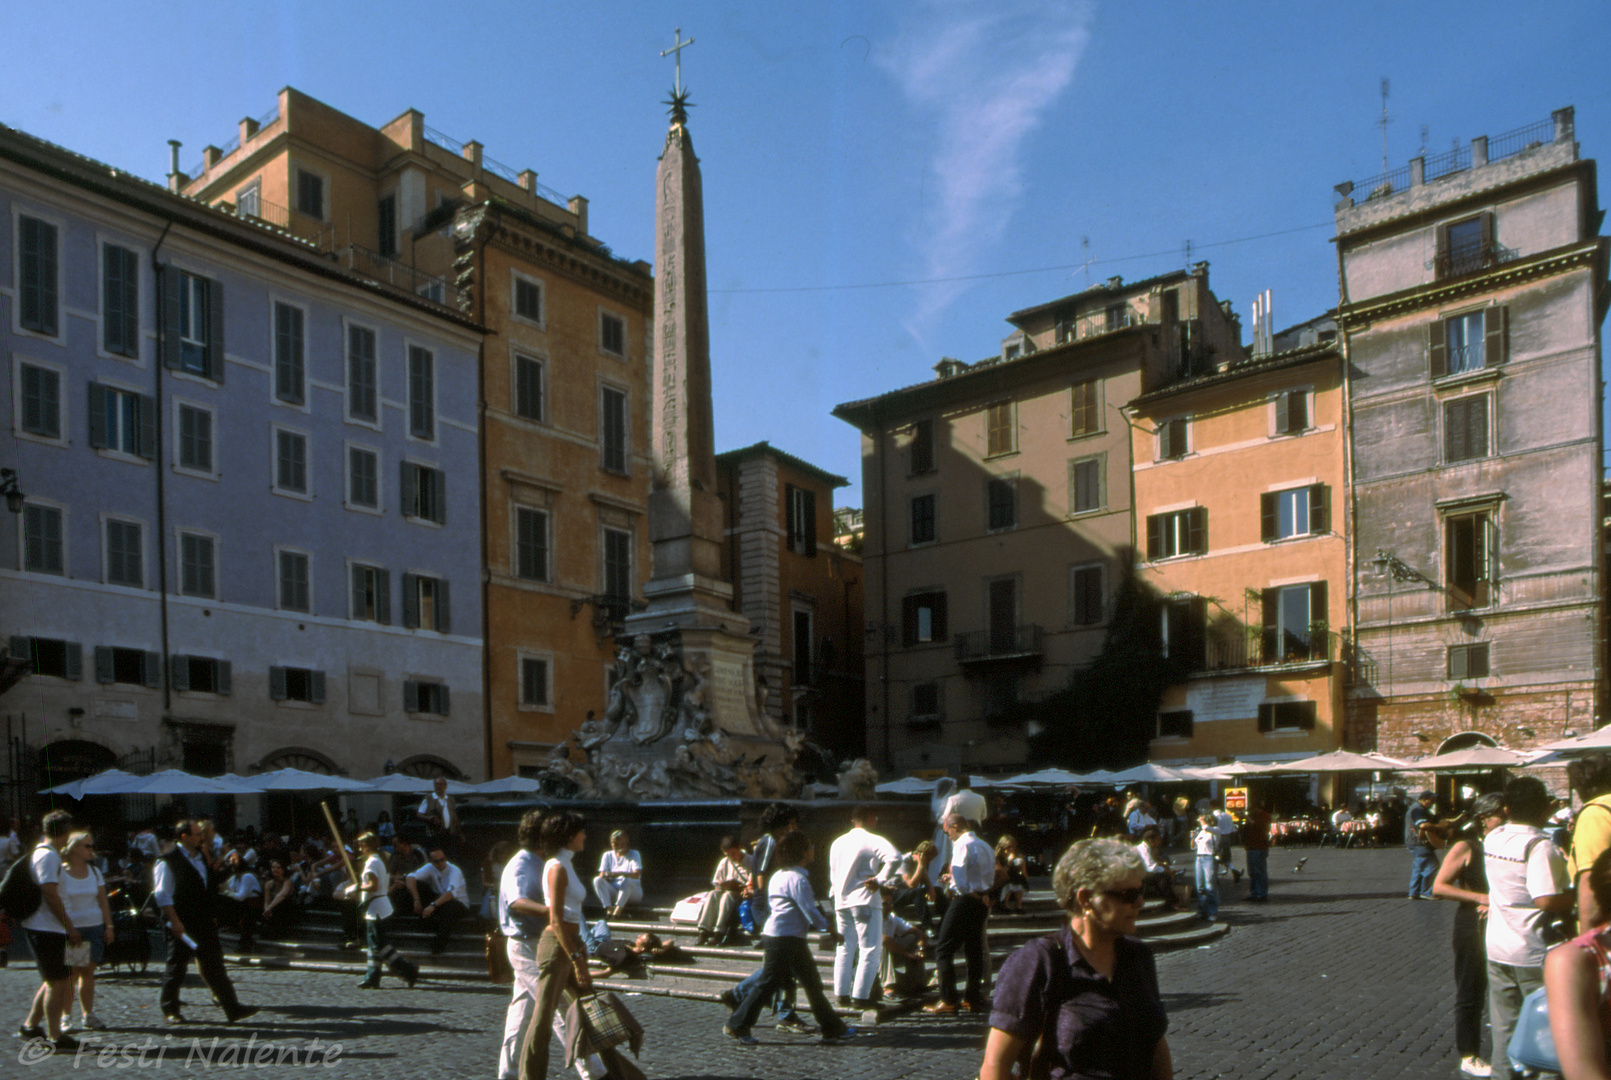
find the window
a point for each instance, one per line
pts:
(197, 573)
(371, 594)
(294, 578)
(1001, 503)
(310, 193)
(612, 334)
(1465, 246)
(1181, 532)
(529, 388)
(421, 393)
(1175, 724)
(424, 493)
(361, 383)
(290, 462)
(1116, 316)
(804, 670)
(1468, 661)
(1001, 432)
(1287, 716)
(1472, 557)
(1085, 407)
(125, 564)
(290, 361)
(195, 439)
(41, 394)
(1001, 602)
(1468, 342)
(249, 200)
(1184, 631)
(386, 227)
(37, 299)
(923, 519)
(534, 681)
(120, 301)
(1291, 412)
(1085, 595)
(122, 421)
(199, 674)
(133, 667)
(42, 551)
(1295, 624)
(922, 446)
(363, 478)
(46, 656)
(425, 697)
(800, 510)
(193, 313)
(1173, 439)
(1086, 487)
(1296, 512)
(528, 299)
(923, 618)
(296, 684)
(1465, 428)
(531, 544)
(613, 428)
(425, 603)
(617, 564)
(926, 701)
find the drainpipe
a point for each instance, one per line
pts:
(162, 472)
(1351, 507)
(481, 468)
(883, 577)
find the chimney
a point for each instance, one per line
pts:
(578, 206)
(248, 129)
(472, 153)
(1417, 171)
(528, 181)
(176, 179)
(211, 156)
(1563, 124)
(1479, 151)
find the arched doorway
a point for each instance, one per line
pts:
(1464, 741)
(429, 767)
(72, 759)
(295, 813)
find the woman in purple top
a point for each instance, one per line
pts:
(1083, 1003)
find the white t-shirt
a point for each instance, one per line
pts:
(1149, 861)
(1205, 840)
(855, 857)
(244, 886)
(78, 897)
(47, 866)
(1516, 876)
(381, 906)
(1224, 822)
(1341, 818)
(629, 863)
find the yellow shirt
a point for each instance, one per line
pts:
(1590, 836)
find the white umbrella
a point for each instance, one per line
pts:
(102, 783)
(404, 784)
(1243, 768)
(509, 785)
(301, 780)
(1047, 778)
(1587, 743)
(179, 782)
(1472, 759)
(906, 785)
(1147, 773)
(1345, 761)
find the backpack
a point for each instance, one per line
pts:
(20, 894)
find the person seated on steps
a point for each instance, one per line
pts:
(718, 922)
(619, 883)
(439, 895)
(901, 972)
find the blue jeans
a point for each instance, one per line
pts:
(1422, 871)
(782, 1001)
(1258, 873)
(1207, 889)
(783, 958)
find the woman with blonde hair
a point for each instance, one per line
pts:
(1016, 871)
(83, 894)
(374, 909)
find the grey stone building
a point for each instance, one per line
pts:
(1473, 287)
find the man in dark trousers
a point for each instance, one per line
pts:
(184, 881)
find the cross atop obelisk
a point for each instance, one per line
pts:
(676, 50)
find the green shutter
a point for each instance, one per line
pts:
(443, 623)
(179, 672)
(97, 415)
(1197, 530)
(146, 418)
(442, 692)
(173, 283)
(1269, 604)
(223, 680)
(411, 696)
(809, 508)
(1266, 716)
(277, 689)
(75, 661)
(1154, 536)
(383, 597)
(151, 671)
(1318, 510)
(411, 602)
(1267, 518)
(1495, 335)
(316, 687)
(411, 490)
(1437, 350)
(104, 673)
(215, 330)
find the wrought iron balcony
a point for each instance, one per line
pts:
(1256, 647)
(1006, 643)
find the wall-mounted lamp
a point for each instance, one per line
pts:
(1387, 562)
(9, 488)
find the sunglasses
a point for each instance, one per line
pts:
(1124, 896)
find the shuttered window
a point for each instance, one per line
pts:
(531, 544)
(923, 529)
(361, 385)
(371, 594)
(1465, 428)
(1291, 412)
(120, 301)
(37, 298)
(923, 618)
(617, 564)
(1173, 437)
(1295, 512)
(363, 479)
(1085, 595)
(528, 388)
(533, 681)
(1001, 429)
(1182, 532)
(1287, 715)
(125, 561)
(41, 400)
(1471, 554)
(421, 393)
(922, 446)
(1086, 484)
(197, 570)
(801, 525)
(1468, 661)
(193, 324)
(613, 429)
(1085, 408)
(42, 551)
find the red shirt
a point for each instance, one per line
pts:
(1256, 831)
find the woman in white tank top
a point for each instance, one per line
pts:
(83, 894)
(561, 957)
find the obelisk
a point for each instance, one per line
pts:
(689, 604)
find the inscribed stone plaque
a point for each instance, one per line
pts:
(1225, 698)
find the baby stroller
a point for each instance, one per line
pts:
(130, 944)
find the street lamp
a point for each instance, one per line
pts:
(9, 488)
(1387, 562)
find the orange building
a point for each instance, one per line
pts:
(1241, 509)
(801, 591)
(563, 421)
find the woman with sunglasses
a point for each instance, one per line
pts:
(83, 894)
(1090, 990)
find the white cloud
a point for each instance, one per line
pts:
(987, 79)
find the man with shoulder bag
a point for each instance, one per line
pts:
(50, 931)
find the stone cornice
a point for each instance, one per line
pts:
(505, 235)
(1353, 316)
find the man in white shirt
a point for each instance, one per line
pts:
(441, 814)
(972, 874)
(50, 931)
(859, 862)
(1225, 825)
(1140, 818)
(1527, 882)
(447, 898)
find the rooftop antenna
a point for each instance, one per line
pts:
(1383, 122)
(1188, 253)
(1085, 247)
(1424, 134)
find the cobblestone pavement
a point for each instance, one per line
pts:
(1339, 977)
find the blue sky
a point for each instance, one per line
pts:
(884, 182)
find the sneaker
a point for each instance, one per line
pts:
(1475, 1066)
(35, 1032)
(843, 1033)
(94, 1022)
(741, 1036)
(66, 1043)
(796, 1025)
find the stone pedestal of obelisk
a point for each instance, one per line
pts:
(683, 717)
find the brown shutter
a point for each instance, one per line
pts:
(1154, 535)
(1437, 348)
(937, 600)
(1267, 523)
(1317, 509)
(1441, 265)
(1495, 335)
(1269, 602)
(909, 620)
(1486, 228)
(1266, 716)
(1197, 530)
(1283, 416)
(1317, 605)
